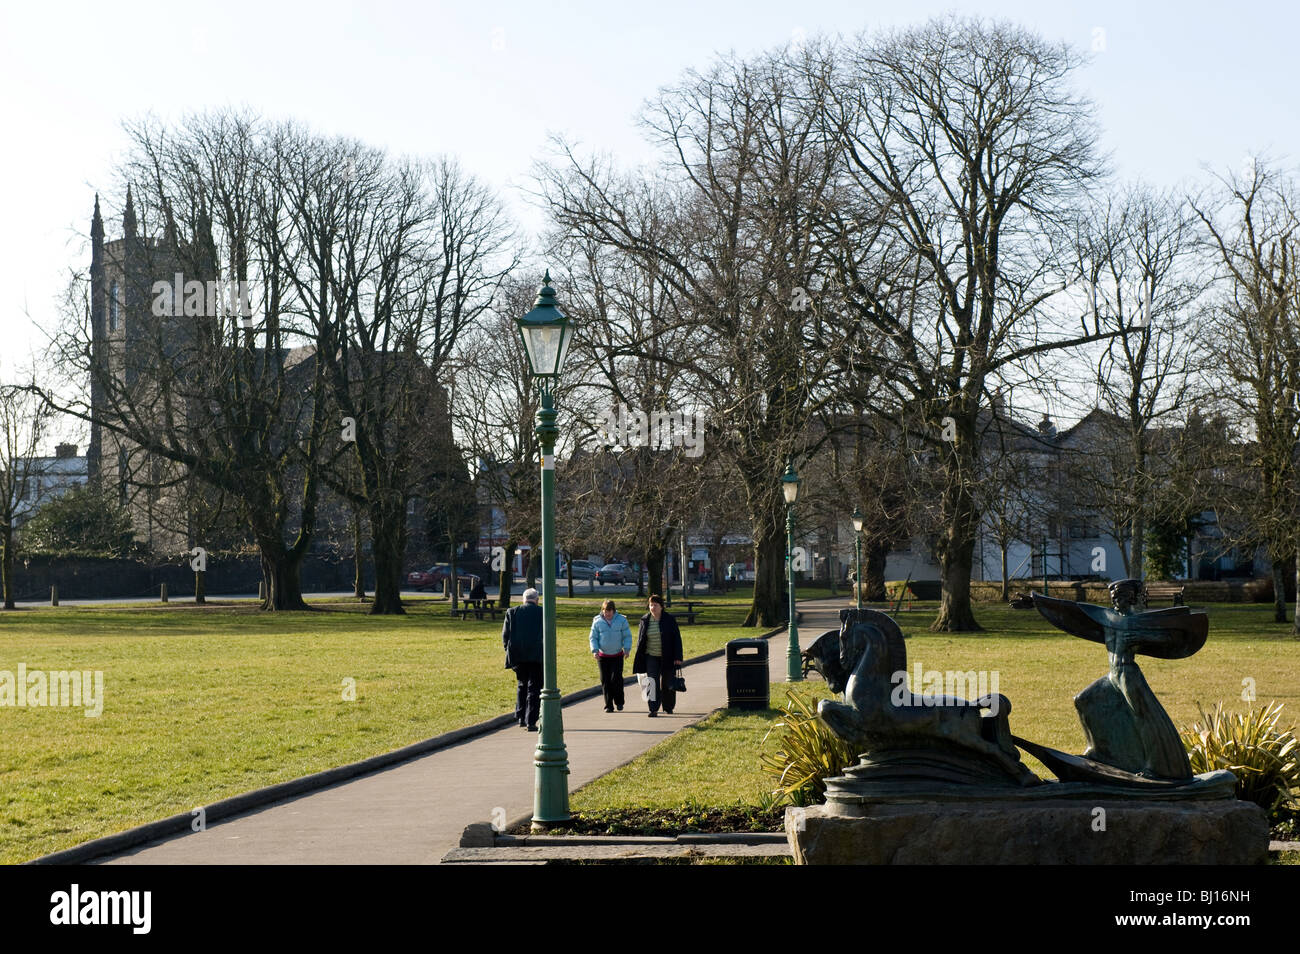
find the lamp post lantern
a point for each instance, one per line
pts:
(546, 332)
(857, 553)
(790, 488)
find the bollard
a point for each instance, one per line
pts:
(54, 596)
(162, 594)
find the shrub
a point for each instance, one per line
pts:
(809, 752)
(1265, 759)
(84, 520)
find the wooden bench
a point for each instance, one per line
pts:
(690, 612)
(1165, 591)
(465, 609)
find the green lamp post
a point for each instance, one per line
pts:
(790, 488)
(857, 554)
(546, 332)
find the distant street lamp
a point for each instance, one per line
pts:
(790, 488)
(546, 332)
(857, 551)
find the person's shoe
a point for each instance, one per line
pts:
(609, 708)
(620, 708)
(653, 714)
(668, 712)
(532, 728)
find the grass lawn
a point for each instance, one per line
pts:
(1039, 669)
(204, 703)
(201, 703)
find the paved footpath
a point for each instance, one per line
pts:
(414, 813)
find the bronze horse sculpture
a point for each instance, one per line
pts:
(941, 738)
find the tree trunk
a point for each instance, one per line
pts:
(685, 570)
(1295, 632)
(200, 587)
(358, 567)
(506, 581)
(388, 546)
(1006, 582)
(7, 565)
(832, 564)
(717, 579)
(955, 615)
(875, 552)
(1137, 562)
(282, 572)
(654, 562)
(534, 567)
(1135, 567)
(961, 521)
(769, 579)
(1279, 591)
(452, 574)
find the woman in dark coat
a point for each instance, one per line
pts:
(659, 629)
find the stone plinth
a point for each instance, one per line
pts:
(1136, 832)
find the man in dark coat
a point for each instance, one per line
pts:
(521, 635)
(661, 668)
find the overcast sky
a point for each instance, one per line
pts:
(1179, 86)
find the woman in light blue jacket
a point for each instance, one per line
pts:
(611, 640)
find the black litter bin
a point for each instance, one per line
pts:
(747, 675)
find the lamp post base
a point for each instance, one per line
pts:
(551, 762)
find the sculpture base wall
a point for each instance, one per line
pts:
(1135, 832)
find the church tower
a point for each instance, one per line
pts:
(98, 304)
(122, 275)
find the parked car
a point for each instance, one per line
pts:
(617, 573)
(582, 570)
(434, 577)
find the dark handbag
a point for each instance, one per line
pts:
(679, 682)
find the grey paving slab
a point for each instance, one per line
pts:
(414, 813)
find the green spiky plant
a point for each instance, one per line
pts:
(809, 752)
(1264, 757)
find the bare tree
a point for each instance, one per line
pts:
(180, 381)
(868, 465)
(496, 409)
(749, 175)
(394, 264)
(1251, 224)
(1134, 254)
(24, 421)
(1014, 489)
(636, 397)
(970, 139)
